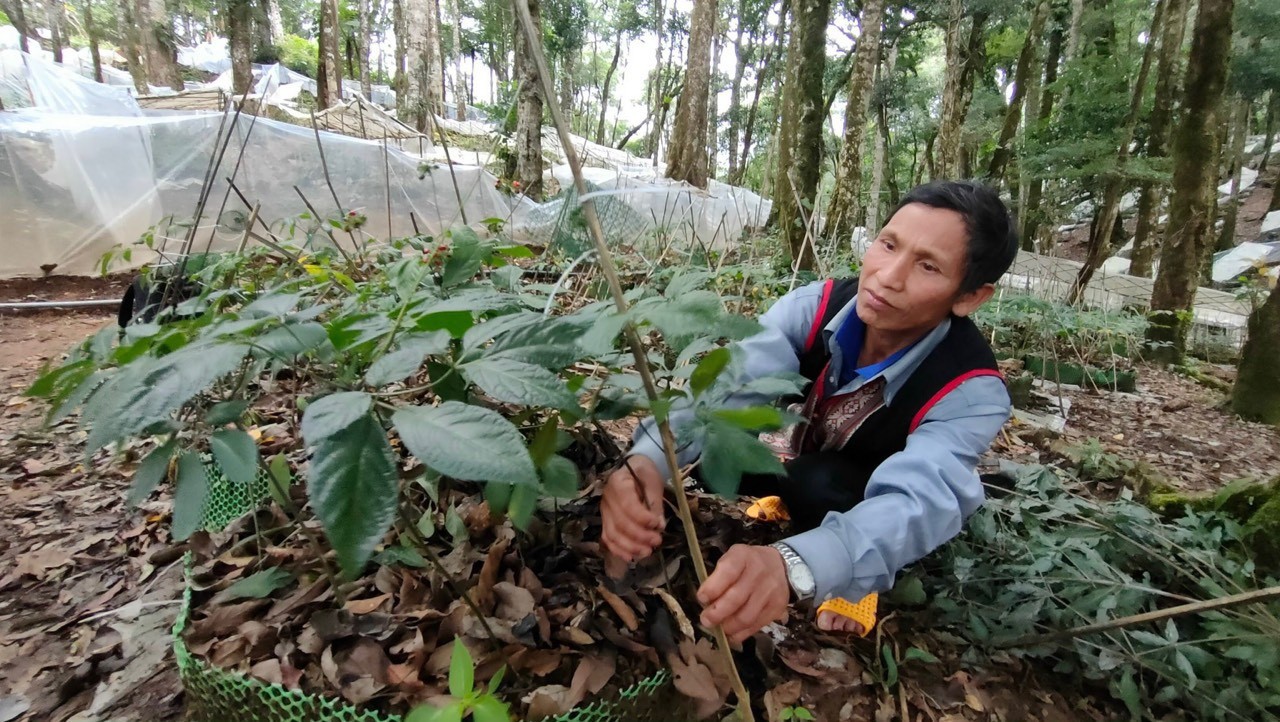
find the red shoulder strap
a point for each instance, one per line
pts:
(951, 386)
(816, 327)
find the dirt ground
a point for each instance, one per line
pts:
(85, 608)
(64, 288)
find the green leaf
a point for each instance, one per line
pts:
(692, 314)
(65, 404)
(514, 251)
(466, 256)
(272, 304)
(516, 382)
(404, 556)
(150, 390)
(685, 282)
(603, 335)
(328, 415)
(405, 361)
(753, 418)
(462, 670)
(456, 323)
(498, 495)
(803, 713)
(466, 442)
(62, 377)
(226, 412)
(544, 441)
(552, 344)
(429, 713)
(728, 452)
(427, 524)
(496, 680)
(559, 477)
(150, 473)
(236, 454)
(454, 524)
(709, 369)
(490, 709)
(920, 654)
(256, 586)
(774, 387)
(908, 592)
(477, 335)
(189, 498)
(278, 467)
(890, 666)
(1126, 688)
(291, 340)
(353, 487)
(1184, 665)
(524, 501)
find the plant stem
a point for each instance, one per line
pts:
(610, 270)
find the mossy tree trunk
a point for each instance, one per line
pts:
(844, 211)
(1168, 71)
(1256, 395)
(529, 113)
(1239, 132)
(1030, 212)
(1195, 155)
(1021, 81)
(687, 159)
(800, 142)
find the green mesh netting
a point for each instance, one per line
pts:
(219, 695)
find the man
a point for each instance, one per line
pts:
(904, 398)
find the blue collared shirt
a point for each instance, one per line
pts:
(918, 498)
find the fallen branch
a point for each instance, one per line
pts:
(1260, 595)
(610, 269)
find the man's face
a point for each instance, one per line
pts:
(912, 272)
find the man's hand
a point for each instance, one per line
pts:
(632, 528)
(747, 590)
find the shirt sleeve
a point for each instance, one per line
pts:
(774, 350)
(916, 500)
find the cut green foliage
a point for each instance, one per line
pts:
(353, 488)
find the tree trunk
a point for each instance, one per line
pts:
(884, 72)
(713, 105)
(964, 57)
(436, 69)
(131, 45)
(1239, 132)
(844, 210)
(329, 69)
(1194, 180)
(608, 81)
(529, 113)
(362, 48)
(568, 69)
(275, 24)
(1109, 213)
(1032, 218)
(53, 18)
(657, 81)
(1158, 124)
(417, 101)
(460, 80)
(1273, 108)
(17, 16)
(240, 42)
(91, 30)
(159, 44)
(688, 150)
(1256, 395)
(775, 49)
(1021, 79)
(800, 141)
(743, 56)
(400, 79)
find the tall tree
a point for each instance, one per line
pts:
(1256, 395)
(160, 44)
(883, 71)
(1195, 145)
(800, 141)
(18, 16)
(529, 111)
(1032, 216)
(1239, 108)
(240, 40)
(606, 86)
(417, 101)
(964, 57)
(91, 30)
(53, 17)
(844, 210)
(329, 69)
(1109, 213)
(437, 56)
(1021, 81)
(455, 58)
(400, 78)
(687, 160)
(1168, 72)
(131, 45)
(364, 10)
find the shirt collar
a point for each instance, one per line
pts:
(897, 374)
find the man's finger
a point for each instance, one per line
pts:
(726, 605)
(726, 573)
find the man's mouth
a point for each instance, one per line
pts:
(878, 299)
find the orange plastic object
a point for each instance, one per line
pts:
(864, 612)
(769, 508)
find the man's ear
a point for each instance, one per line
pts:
(969, 302)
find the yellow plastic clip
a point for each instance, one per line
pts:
(769, 508)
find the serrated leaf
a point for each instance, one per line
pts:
(466, 257)
(462, 670)
(65, 404)
(466, 442)
(685, 282)
(63, 377)
(729, 452)
(395, 366)
(559, 477)
(333, 413)
(552, 344)
(352, 482)
(909, 591)
(258, 585)
(516, 382)
(189, 498)
(689, 315)
(477, 335)
(148, 391)
(753, 418)
(226, 412)
(773, 387)
(708, 370)
(603, 335)
(290, 340)
(150, 473)
(490, 709)
(236, 454)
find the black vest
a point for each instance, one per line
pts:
(962, 354)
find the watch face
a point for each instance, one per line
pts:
(801, 579)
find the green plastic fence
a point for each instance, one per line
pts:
(219, 695)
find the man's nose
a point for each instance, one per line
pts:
(894, 273)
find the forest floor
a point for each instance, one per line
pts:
(89, 588)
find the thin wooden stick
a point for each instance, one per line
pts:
(324, 166)
(1260, 595)
(610, 269)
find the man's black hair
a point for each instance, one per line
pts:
(993, 237)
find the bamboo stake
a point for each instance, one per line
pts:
(607, 265)
(1259, 595)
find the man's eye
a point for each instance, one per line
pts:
(929, 267)
(886, 243)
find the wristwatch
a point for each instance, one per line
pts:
(798, 573)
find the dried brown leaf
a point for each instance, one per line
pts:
(780, 697)
(592, 674)
(367, 606)
(513, 603)
(619, 607)
(549, 701)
